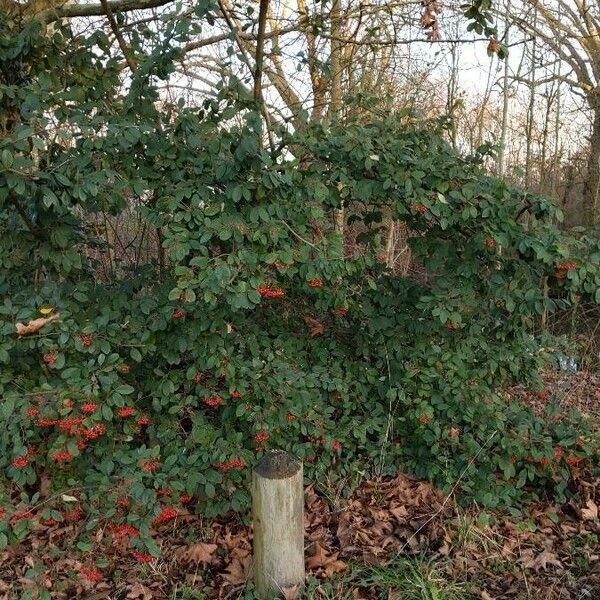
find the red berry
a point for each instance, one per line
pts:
(290, 417)
(141, 557)
(124, 369)
(20, 462)
(89, 407)
(166, 514)
(236, 394)
(62, 456)
(32, 412)
(143, 421)
(269, 293)
(315, 283)
(336, 445)
(261, 437)
(150, 466)
(86, 340)
(490, 243)
(178, 314)
(341, 312)
(126, 411)
(197, 378)
(213, 401)
(92, 575)
(50, 358)
(421, 209)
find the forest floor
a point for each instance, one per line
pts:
(398, 539)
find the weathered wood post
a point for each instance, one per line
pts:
(278, 519)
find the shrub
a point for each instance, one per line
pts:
(236, 324)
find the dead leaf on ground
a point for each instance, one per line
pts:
(35, 325)
(237, 572)
(591, 512)
(328, 563)
(197, 553)
(139, 590)
(291, 593)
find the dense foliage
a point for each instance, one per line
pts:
(242, 324)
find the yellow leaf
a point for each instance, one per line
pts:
(46, 310)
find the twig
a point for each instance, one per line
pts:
(299, 236)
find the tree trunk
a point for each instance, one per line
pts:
(591, 204)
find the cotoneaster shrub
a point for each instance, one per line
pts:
(245, 327)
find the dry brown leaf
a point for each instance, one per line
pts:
(321, 560)
(291, 593)
(591, 512)
(238, 571)
(35, 325)
(542, 560)
(316, 327)
(197, 553)
(139, 590)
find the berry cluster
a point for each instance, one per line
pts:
(269, 293)
(213, 401)
(166, 514)
(235, 463)
(126, 411)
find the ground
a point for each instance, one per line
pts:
(397, 538)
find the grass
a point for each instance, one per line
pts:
(403, 579)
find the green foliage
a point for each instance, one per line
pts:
(204, 335)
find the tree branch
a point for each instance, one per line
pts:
(69, 11)
(260, 46)
(120, 39)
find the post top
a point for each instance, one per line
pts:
(278, 464)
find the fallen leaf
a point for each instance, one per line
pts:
(197, 553)
(542, 560)
(328, 563)
(591, 512)
(138, 590)
(291, 593)
(35, 325)
(237, 572)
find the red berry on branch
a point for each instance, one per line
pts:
(50, 358)
(20, 462)
(126, 411)
(143, 421)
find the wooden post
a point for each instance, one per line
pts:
(278, 519)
